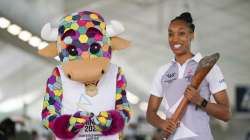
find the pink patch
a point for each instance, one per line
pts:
(98, 37)
(46, 113)
(120, 83)
(81, 22)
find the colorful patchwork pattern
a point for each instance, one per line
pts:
(83, 35)
(122, 105)
(102, 121)
(77, 121)
(52, 105)
(52, 99)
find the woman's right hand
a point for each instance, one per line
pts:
(168, 126)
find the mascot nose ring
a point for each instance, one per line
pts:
(69, 76)
(103, 72)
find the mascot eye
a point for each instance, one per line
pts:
(95, 48)
(72, 50)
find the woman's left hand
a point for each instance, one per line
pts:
(193, 95)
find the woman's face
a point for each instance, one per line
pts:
(179, 37)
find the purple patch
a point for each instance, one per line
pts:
(70, 32)
(117, 124)
(79, 50)
(52, 80)
(85, 47)
(92, 32)
(106, 55)
(76, 36)
(51, 94)
(86, 17)
(76, 43)
(57, 105)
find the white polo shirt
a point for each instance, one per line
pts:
(171, 81)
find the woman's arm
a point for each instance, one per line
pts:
(153, 105)
(219, 110)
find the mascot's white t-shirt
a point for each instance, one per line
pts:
(75, 99)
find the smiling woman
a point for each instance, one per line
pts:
(172, 82)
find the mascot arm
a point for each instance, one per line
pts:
(63, 126)
(111, 122)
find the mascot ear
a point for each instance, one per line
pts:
(49, 51)
(118, 43)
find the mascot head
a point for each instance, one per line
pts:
(84, 44)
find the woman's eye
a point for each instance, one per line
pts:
(182, 33)
(72, 50)
(170, 34)
(95, 48)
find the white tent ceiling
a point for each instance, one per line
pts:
(221, 26)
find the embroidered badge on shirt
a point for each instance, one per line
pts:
(169, 77)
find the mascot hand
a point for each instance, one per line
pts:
(102, 121)
(77, 121)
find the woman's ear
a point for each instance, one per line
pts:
(49, 51)
(192, 36)
(118, 43)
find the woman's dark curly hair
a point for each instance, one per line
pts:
(186, 17)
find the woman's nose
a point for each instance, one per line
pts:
(173, 39)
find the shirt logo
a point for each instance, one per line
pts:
(169, 77)
(221, 81)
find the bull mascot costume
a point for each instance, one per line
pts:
(86, 94)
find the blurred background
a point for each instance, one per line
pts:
(221, 26)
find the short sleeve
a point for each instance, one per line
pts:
(156, 88)
(216, 80)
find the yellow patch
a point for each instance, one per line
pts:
(45, 103)
(80, 120)
(74, 26)
(83, 38)
(97, 128)
(102, 25)
(52, 111)
(68, 18)
(104, 114)
(102, 120)
(118, 96)
(57, 92)
(72, 120)
(93, 16)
